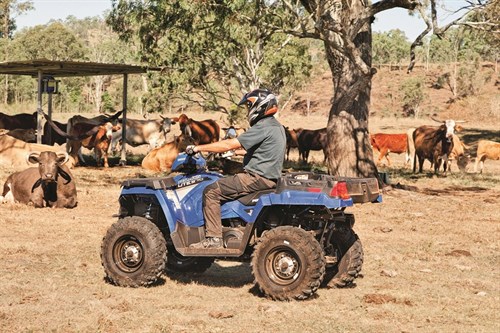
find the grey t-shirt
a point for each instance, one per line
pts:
(265, 143)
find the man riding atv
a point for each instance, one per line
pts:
(264, 144)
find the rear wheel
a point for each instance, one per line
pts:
(288, 263)
(349, 252)
(133, 252)
(178, 263)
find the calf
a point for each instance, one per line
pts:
(48, 185)
(459, 154)
(434, 144)
(99, 142)
(161, 159)
(486, 149)
(312, 140)
(205, 131)
(22, 120)
(390, 143)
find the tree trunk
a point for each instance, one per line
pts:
(349, 149)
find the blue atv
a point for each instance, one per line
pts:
(297, 236)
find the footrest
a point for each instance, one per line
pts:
(222, 252)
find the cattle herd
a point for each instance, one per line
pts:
(51, 184)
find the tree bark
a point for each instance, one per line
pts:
(349, 149)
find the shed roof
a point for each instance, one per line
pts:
(69, 68)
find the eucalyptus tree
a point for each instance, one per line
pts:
(211, 51)
(9, 9)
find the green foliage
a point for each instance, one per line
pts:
(52, 42)
(413, 94)
(212, 52)
(470, 79)
(390, 47)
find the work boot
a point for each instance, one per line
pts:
(208, 243)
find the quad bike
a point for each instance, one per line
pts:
(295, 235)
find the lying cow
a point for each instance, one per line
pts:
(486, 149)
(205, 131)
(390, 143)
(312, 140)
(14, 151)
(161, 159)
(26, 135)
(139, 132)
(48, 185)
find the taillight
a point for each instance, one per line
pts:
(313, 189)
(339, 190)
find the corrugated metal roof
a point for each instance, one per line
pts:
(69, 68)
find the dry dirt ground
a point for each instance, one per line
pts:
(431, 262)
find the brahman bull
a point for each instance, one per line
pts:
(138, 132)
(390, 143)
(312, 140)
(161, 159)
(205, 131)
(48, 185)
(434, 144)
(486, 149)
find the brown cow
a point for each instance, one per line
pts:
(434, 144)
(99, 142)
(26, 135)
(205, 131)
(291, 140)
(48, 185)
(160, 159)
(13, 152)
(22, 120)
(390, 143)
(486, 149)
(85, 132)
(312, 140)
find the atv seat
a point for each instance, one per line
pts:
(252, 198)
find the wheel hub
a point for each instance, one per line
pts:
(131, 254)
(285, 265)
(128, 254)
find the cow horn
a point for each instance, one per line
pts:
(32, 158)
(460, 121)
(64, 155)
(437, 120)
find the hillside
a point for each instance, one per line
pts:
(482, 109)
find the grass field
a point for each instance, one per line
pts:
(431, 258)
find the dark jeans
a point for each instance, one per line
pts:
(226, 189)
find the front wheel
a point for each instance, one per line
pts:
(288, 263)
(133, 252)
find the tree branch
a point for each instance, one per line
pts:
(389, 4)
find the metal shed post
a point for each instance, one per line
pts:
(123, 158)
(39, 112)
